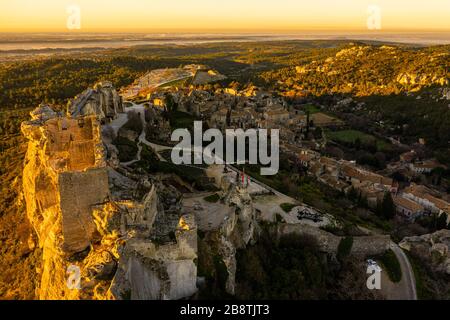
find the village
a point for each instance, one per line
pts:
(302, 134)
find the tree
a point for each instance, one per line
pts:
(307, 121)
(362, 201)
(441, 221)
(352, 193)
(344, 247)
(357, 143)
(170, 103)
(387, 206)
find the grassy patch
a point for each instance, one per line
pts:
(391, 265)
(287, 207)
(350, 137)
(310, 108)
(213, 198)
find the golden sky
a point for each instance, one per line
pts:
(223, 15)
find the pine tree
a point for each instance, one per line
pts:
(387, 206)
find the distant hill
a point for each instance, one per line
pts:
(364, 70)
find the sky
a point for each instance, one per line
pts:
(223, 15)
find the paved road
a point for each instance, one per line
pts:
(408, 286)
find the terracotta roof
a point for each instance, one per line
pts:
(306, 157)
(408, 204)
(427, 164)
(332, 181)
(423, 192)
(417, 190)
(441, 204)
(350, 171)
(366, 176)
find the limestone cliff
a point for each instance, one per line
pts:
(433, 249)
(103, 226)
(238, 228)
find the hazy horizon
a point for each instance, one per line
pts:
(69, 40)
(215, 16)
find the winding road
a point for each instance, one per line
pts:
(407, 286)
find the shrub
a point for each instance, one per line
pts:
(127, 149)
(134, 122)
(392, 266)
(213, 198)
(279, 218)
(345, 247)
(287, 207)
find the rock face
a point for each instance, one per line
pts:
(238, 228)
(63, 158)
(103, 101)
(103, 226)
(432, 248)
(151, 271)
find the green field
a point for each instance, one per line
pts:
(350, 136)
(310, 108)
(287, 207)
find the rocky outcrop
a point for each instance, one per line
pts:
(102, 101)
(101, 225)
(159, 271)
(238, 229)
(432, 248)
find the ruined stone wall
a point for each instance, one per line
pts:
(370, 245)
(102, 101)
(79, 192)
(148, 271)
(62, 175)
(328, 242)
(73, 144)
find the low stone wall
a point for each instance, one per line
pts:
(370, 245)
(328, 242)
